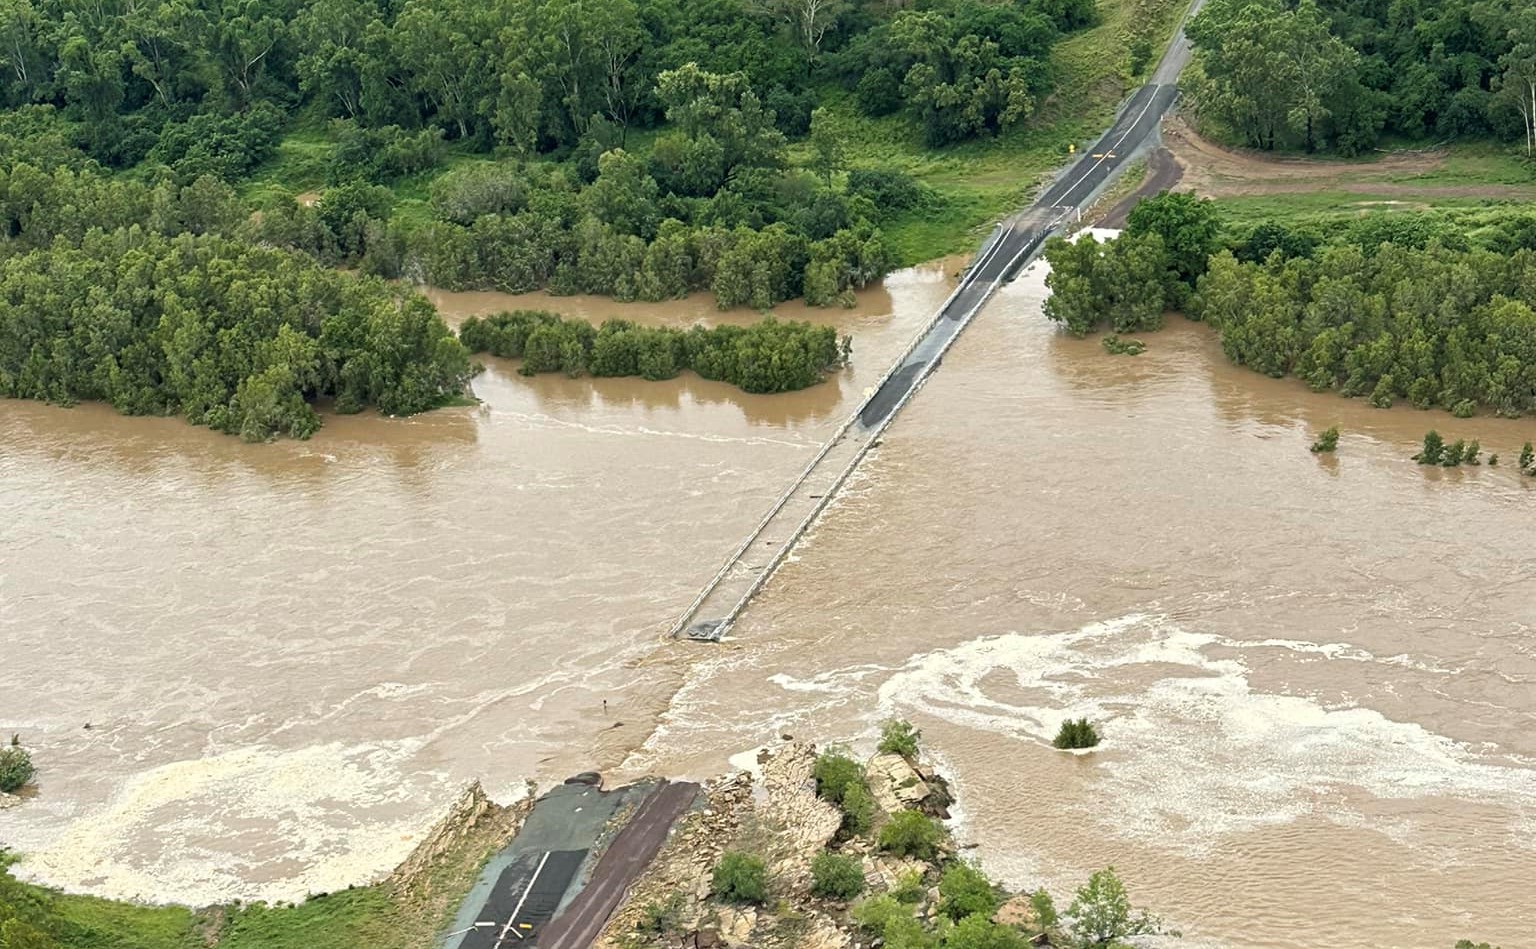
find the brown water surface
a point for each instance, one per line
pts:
(290, 655)
(1316, 675)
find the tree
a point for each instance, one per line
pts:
(1517, 81)
(740, 878)
(624, 194)
(827, 144)
(899, 737)
(1327, 441)
(911, 834)
(1527, 457)
(1189, 227)
(1101, 912)
(964, 891)
(1320, 64)
(809, 20)
(836, 876)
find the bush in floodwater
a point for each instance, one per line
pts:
(1527, 458)
(1433, 450)
(1327, 441)
(15, 766)
(1117, 345)
(898, 737)
(1076, 734)
(911, 834)
(740, 878)
(836, 876)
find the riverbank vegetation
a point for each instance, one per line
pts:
(535, 143)
(238, 337)
(1343, 75)
(768, 356)
(1391, 308)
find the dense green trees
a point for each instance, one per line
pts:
(768, 356)
(1338, 73)
(1434, 326)
(960, 67)
(1121, 282)
(240, 338)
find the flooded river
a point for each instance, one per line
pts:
(1316, 676)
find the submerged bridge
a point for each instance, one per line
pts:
(1011, 245)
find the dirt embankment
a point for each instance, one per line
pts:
(1213, 171)
(1186, 161)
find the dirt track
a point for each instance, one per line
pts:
(1212, 171)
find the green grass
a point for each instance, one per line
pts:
(85, 922)
(1324, 211)
(343, 920)
(981, 181)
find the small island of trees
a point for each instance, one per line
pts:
(768, 356)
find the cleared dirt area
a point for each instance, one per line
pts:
(1213, 171)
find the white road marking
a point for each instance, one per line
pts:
(521, 900)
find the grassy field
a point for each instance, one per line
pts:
(977, 182)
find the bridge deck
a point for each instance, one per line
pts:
(1011, 245)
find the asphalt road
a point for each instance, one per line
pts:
(626, 858)
(1019, 238)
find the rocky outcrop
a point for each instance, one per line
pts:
(474, 819)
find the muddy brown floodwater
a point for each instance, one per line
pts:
(1316, 676)
(291, 655)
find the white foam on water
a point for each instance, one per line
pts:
(250, 824)
(1199, 752)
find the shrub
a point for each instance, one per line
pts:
(909, 889)
(836, 876)
(858, 809)
(965, 891)
(890, 190)
(911, 834)
(979, 932)
(661, 917)
(1433, 450)
(835, 773)
(1527, 457)
(1076, 734)
(1327, 441)
(1116, 345)
(898, 737)
(15, 767)
(740, 878)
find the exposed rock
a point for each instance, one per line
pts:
(472, 813)
(1017, 912)
(895, 784)
(736, 926)
(825, 934)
